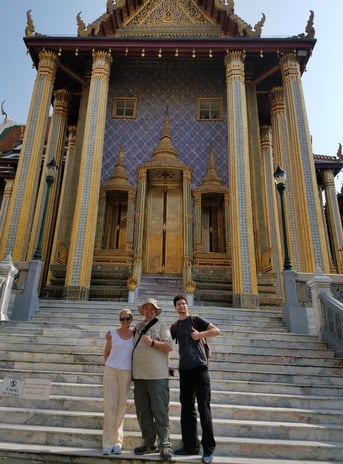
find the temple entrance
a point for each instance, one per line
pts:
(163, 238)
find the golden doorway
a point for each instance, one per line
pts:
(163, 238)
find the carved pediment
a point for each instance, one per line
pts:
(169, 18)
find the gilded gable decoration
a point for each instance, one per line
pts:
(170, 18)
(243, 28)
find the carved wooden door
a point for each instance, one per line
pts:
(163, 230)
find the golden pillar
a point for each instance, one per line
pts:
(54, 149)
(258, 184)
(227, 224)
(80, 256)
(189, 284)
(5, 200)
(130, 219)
(59, 251)
(307, 204)
(18, 222)
(281, 152)
(187, 211)
(276, 261)
(140, 209)
(72, 174)
(197, 222)
(101, 220)
(139, 228)
(244, 278)
(334, 219)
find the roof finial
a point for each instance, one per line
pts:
(30, 28)
(82, 28)
(110, 6)
(3, 112)
(309, 26)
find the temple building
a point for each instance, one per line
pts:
(169, 120)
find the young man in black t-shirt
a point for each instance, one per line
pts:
(191, 332)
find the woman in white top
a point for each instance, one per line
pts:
(117, 382)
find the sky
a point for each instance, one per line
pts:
(322, 81)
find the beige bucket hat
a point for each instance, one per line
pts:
(153, 302)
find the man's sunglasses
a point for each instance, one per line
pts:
(125, 318)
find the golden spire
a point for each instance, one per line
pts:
(119, 177)
(211, 177)
(165, 147)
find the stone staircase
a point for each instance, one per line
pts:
(155, 284)
(277, 398)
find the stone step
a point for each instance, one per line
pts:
(256, 364)
(226, 446)
(103, 324)
(236, 405)
(300, 375)
(51, 334)
(168, 311)
(112, 309)
(224, 427)
(274, 394)
(220, 351)
(86, 333)
(16, 454)
(80, 398)
(94, 380)
(233, 394)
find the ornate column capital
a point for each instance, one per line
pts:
(101, 67)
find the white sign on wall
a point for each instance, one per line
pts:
(28, 389)
(12, 387)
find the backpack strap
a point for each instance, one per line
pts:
(144, 331)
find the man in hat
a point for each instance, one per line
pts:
(151, 385)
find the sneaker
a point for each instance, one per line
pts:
(107, 451)
(116, 449)
(207, 458)
(166, 454)
(145, 449)
(186, 452)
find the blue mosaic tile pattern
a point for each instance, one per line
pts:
(305, 158)
(27, 159)
(159, 86)
(287, 166)
(88, 173)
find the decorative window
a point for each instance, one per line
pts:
(124, 108)
(115, 230)
(213, 223)
(210, 109)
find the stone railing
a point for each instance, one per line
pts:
(332, 315)
(325, 308)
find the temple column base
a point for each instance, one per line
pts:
(246, 301)
(76, 293)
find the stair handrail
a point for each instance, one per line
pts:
(332, 319)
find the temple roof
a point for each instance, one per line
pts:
(11, 134)
(148, 18)
(199, 32)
